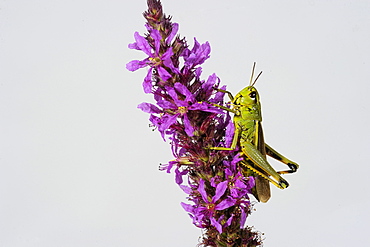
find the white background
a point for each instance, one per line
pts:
(79, 164)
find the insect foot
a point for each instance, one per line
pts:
(283, 184)
(293, 166)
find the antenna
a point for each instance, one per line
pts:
(250, 82)
(257, 78)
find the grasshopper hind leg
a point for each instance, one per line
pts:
(274, 154)
(281, 183)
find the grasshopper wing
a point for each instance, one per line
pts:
(262, 192)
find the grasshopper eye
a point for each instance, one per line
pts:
(252, 95)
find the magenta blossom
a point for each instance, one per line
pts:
(155, 59)
(205, 214)
(186, 112)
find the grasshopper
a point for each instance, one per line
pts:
(248, 136)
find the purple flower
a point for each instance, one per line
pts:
(238, 184)
(197, 55)
(178, 108)
(155, 59)
(179, 173)
(207, 209)
(184, 111)
(149, 108)
(175, 28)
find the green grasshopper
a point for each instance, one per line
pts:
(248, 136)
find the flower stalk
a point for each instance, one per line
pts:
(183, 113)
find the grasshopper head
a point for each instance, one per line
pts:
(247, 101)
(248, 104)
(247, 97)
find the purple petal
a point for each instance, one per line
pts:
(166, 57)
(202, 191)
(219, 97)
(239, 184)
(190, 56)
(225, 204)
(200, 211)
(229, 135)
(155, 120)
(228, 222)
(220, 190)
(178, 177)
(196, 46)
(186, 189)
(167, 61)
(190, 61)
(234, 193)
(166, 104)
(163, 74)
(142, 44)
(171, 91)
(189, 129)
(147, 84)
(179, 174)
(175, 28)
(243, 218)
(208, 85)
(215, 223)
(148, 27)
(204, 52)
(167, 167)
(148, 108)
(236, 160)
(198, 72)
(168, 120)
(251, 182)
(198, 54)
(136, 64)
(157, 39)
(215, 180)
(182, 151)
(187, 207)
(133, 46)
(184, 91)
(186, 53)
(228, 172)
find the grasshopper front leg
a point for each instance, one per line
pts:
(237, 129)
(233, 144)
(225, 91)
(274, 154)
